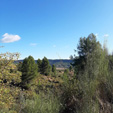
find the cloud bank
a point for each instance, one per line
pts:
(8, 38)
(106, 35)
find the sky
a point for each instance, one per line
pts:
(52, 28)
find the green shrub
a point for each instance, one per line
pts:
(42, 103)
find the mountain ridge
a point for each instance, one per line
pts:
(59, 63)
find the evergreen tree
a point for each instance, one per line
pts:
(19, 66)
(86, 47)
(91, 67)
(50, 70)
(110, 62)
(45, 66)
(54, 69)
(29, 70)
(39, 63)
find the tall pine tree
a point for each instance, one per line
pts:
(54, 69)
(46, 68)
(39, 63)
(29, 70)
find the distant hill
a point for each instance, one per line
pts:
(62, 63)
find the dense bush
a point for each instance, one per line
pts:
(42, 103)
(9, 79)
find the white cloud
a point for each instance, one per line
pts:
(33, 44)
(8, 38)
(106, 35)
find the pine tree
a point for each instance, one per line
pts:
(54, 69)
(86, 47)
(29, 71)
(91, 67)
(50, 70)
(45, 66)
(19, 66)
(39, 63)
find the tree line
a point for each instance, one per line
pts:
(30, 70)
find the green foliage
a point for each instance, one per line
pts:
(110, 57)
(92, 65)
(65, 76)
(42, 103)
(29, 71)
(9, 77)
(86, 47)
(39, 63)
(66, 71)
(94, 80)
(54, 69)
(46, 68)
(19, 66)
(90, 91)
(71, 96)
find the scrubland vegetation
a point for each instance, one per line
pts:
(86, 87)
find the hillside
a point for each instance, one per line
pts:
(63, 63)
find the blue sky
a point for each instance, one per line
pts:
(52, 28)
